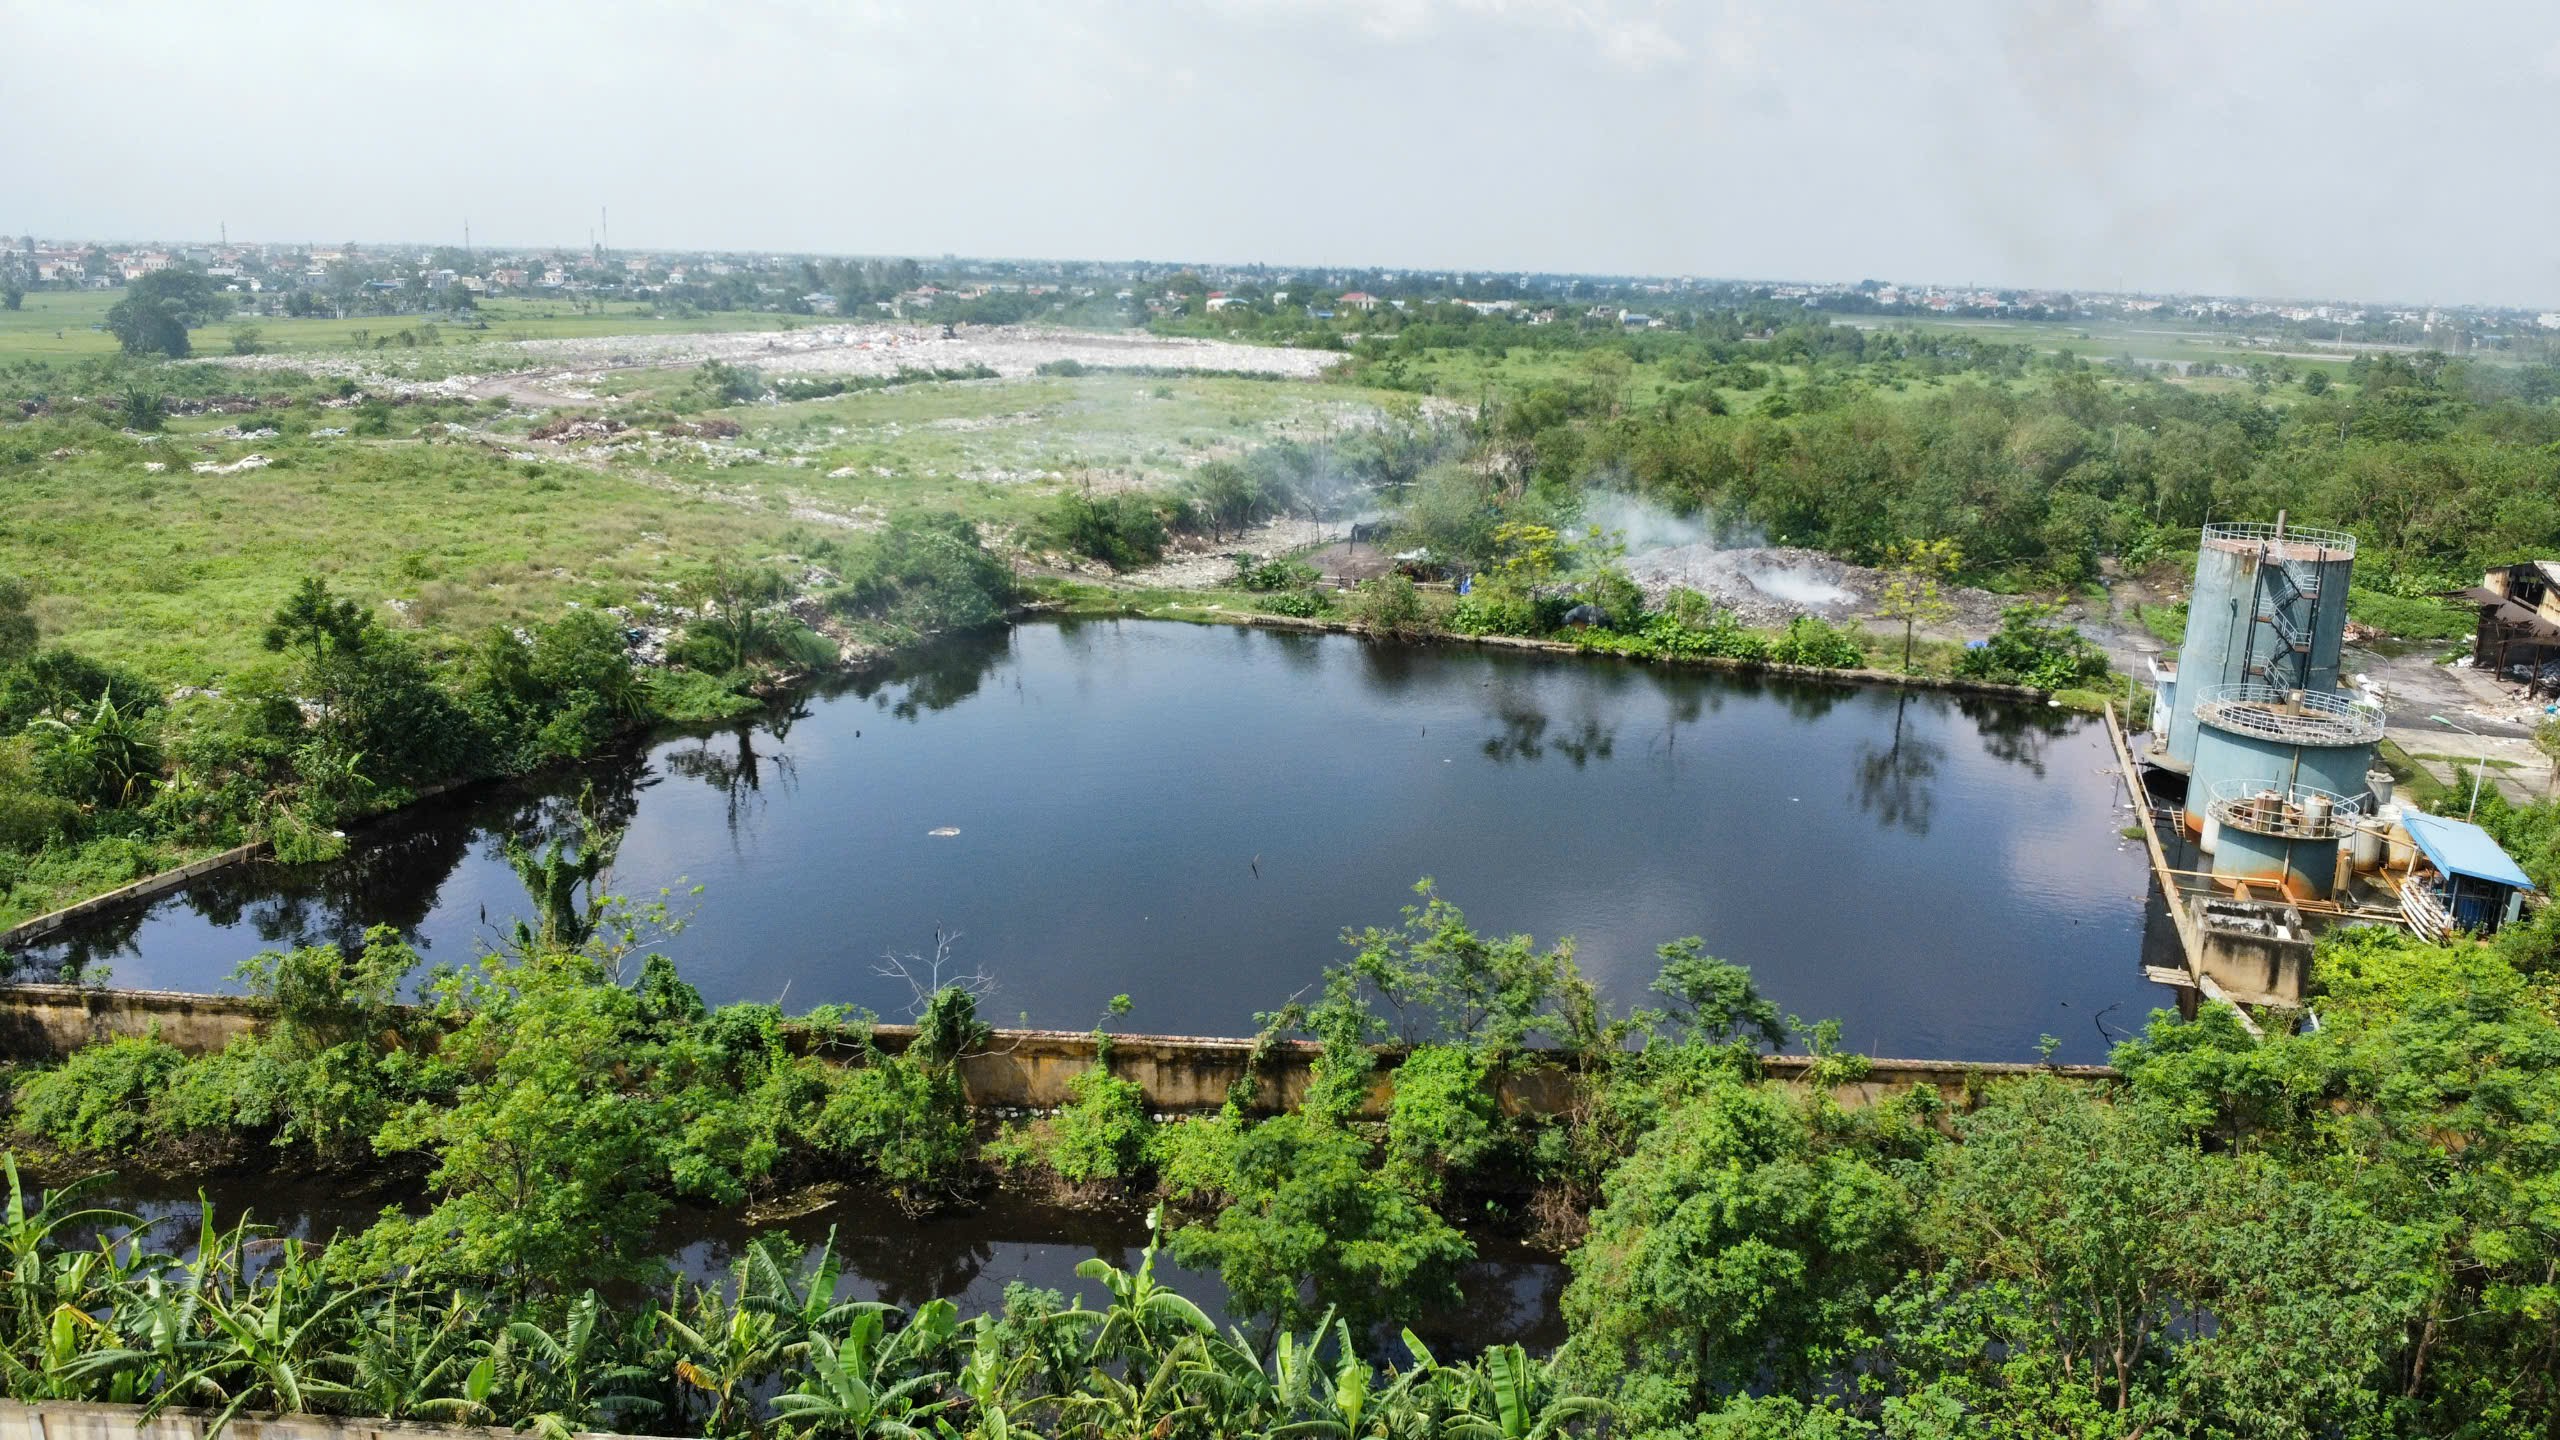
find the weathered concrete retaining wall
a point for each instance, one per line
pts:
(29, 931)
(63, 1420)
(46, 1022)
(139, 890)
(1024, 1069)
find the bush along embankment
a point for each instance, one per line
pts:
(105, 778)
(1525, 579)
(2361, 1211)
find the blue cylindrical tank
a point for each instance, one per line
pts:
(2269, 607)
(2249, 734)
(2304, 869)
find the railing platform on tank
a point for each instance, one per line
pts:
(2290, 812)
(2290, 542)
(2300, 717)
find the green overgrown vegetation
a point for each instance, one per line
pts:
(2356, 1208)
(104, 780)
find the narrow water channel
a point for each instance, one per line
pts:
(1509, 1294)
(1190, 815)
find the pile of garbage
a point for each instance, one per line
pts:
(1769, 585)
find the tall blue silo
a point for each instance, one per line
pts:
(2269, 608)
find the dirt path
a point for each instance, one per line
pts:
(519, 388)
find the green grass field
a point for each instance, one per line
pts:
(174, 572)
(2101, 340)
(58, 324)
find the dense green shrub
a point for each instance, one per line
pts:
(1808, 640)
(905, 1121)
(2028, 649)
(1280, 573)
(99, 1100)
(1302, 604)
(1441, 1122)
(1101, 1132)
(1122, 531)
(1502, 610)
(924, 575)
(1388, 605)
(1313, 1227)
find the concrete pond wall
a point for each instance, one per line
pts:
(65, 1420)
(1017, 1069)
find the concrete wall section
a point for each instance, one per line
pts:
(63, 1420)
(46, 1022)
(1018, 1069)
(133, 894)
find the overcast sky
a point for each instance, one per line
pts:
(2319, 148)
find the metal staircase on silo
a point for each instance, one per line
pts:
(2284, 580)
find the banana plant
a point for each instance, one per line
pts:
(807, 1305)
(1113, 1408)
(273, 1345)
(1144, 1318)
(568, 1377)
(1515, 1398)
(848, 1390)
(726, 1349)
(405, 1365)
(159, 1321)
(35, 1282)
(992, 1379)
(50, 1369)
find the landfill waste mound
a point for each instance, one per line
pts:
(1769, 585)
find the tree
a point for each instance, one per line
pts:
(547, 1163)
(554, 874)
(1741, 1245)
(160, 308)
(1913, 596)
(735, 619)
(1310, 1208)
(316, 622)
(2028, 649)
(12, 296)
(1226, 496)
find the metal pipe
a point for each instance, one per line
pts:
(2479, 766)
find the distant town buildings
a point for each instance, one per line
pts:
(310, 278)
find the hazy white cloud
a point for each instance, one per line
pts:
(1635, 35)
(2295, 147)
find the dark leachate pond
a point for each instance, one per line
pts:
(1191, 814)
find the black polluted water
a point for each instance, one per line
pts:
(1192, 815)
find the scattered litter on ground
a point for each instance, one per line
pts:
(245, 462)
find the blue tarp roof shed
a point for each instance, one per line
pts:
(2458, 847)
